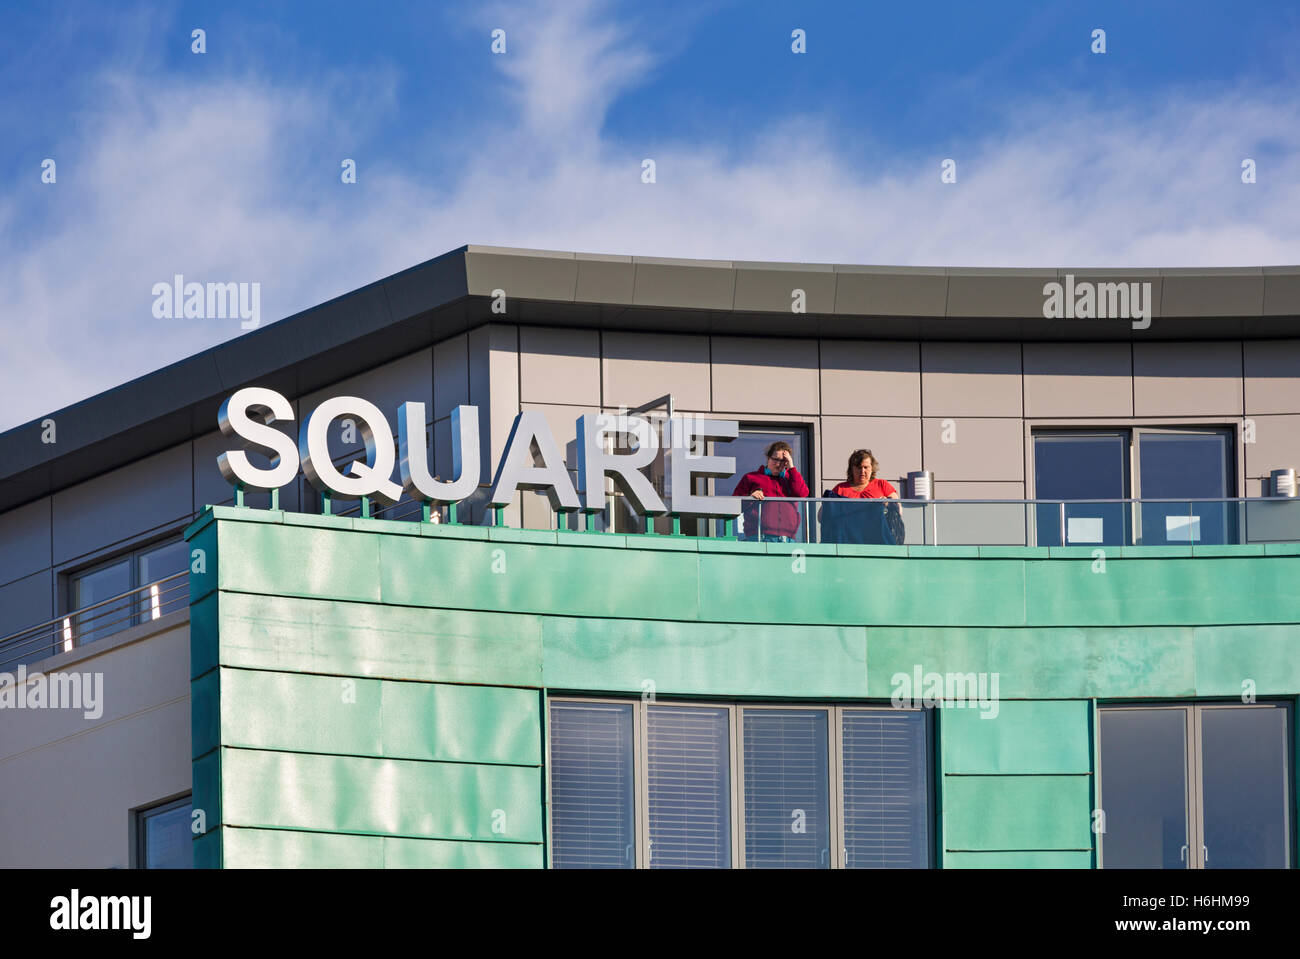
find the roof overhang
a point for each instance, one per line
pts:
(474, 285)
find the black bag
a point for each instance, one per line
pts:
(891, 524)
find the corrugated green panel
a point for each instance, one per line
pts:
(1026, 736)
(538, 579)
(207, 849)
(291, 560)
(204, 628)
(363, 639)
(704, 659)
(1041, 663)
(380, 718)
(284, 849)
(854, 590)
(382, 796)
(1165, 591)
(1017, 812)
(1050, 859)
(203, 537)
(205, 791)
(205, 713)
(1227, 656)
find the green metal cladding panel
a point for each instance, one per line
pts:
(1162, 591)
(366, 639)
(380, 718)
(382, 797)
(1035, 859)
(1022, 738)
(1065, 662)
(449, 635)
(284, 849)
(1012, 813)
(704, 658)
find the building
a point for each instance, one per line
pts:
(1030, 679)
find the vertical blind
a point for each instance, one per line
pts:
(592, 820)
(886, 789)
(787, 790)
(689, 783)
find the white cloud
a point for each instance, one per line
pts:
(216, 180)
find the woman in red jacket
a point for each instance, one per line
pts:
(780, 521)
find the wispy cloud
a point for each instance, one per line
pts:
(237, 180)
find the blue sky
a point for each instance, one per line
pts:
(225, 166)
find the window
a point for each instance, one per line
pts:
(163, 838)
(591, 786)
(1143, 463)
(749, 449)
(658, 785)
(787, 789)
(144, 567)
(1199, 786)
(688, 789)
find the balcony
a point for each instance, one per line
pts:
(1089, 523)
(95, 622)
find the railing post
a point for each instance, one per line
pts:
(1062, 522)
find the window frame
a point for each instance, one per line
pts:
(735, 716)
(1131, 430)
(1195, 798)
(69, 578)
(1131, 425)
(139, 834)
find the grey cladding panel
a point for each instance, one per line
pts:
(123, 503)
(24, 540)
(25, 603)
(1213, 293)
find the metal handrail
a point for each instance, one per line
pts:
(142, 604)
(1052, 502)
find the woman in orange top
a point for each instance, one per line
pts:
(861, 482)
(845, 523)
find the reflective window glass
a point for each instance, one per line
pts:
(166, 841)
(1081, 466)
(1244, 773)
(1144, 780)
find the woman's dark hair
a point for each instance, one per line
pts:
(855, 460)
(779, 445)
